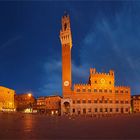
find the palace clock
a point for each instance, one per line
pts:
(66, 83)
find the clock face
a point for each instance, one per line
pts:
(102, 80)
(66, 83)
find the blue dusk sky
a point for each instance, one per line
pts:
(106, 35)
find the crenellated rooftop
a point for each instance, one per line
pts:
(94, 72)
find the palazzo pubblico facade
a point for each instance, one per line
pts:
(99, 96)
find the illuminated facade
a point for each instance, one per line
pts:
(6, 99)
(99, 95)
(135, 103)
(24, 101)
(49, 105)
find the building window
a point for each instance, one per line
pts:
(110, 82)
(122, 102)
(84, 90)
(84, 111)
(78, 101)
(105, 101)
(116, 91)
(79, 112)
(110, 109)
(101, 110)
(95, 82)
(121, 91)
(95, 90)
(110, 91)
(105, 109)
(78, 90)
(126, 91)
(89, 101)
(110, 101)
(117, 101)
(95, 101)
(100, 101)
(100, 90)
(105, 90)
(73, 110)
(89, 90)
(126, 109)
(89, 110)
(96, 110)
(117, 110)
(73, 101)
(126, 102)
(84, 101)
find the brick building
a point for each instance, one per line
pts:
(49, 104)
(24, 101)
(6, 99)
(135, 103)
(99, 96)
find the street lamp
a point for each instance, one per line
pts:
(29, 94)
(30, 104)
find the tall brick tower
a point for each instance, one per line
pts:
(66, 42)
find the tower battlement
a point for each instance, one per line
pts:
(93, 72)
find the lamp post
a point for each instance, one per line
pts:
(30, 105)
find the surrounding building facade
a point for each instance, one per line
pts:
(24, 102)
(40, 104)
(135, 103)
(99, 95)
(49, 105)
(6, 99)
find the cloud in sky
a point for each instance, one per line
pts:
(53, 80)
(10, 42)
(112, 42)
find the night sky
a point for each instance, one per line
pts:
(106, 35)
